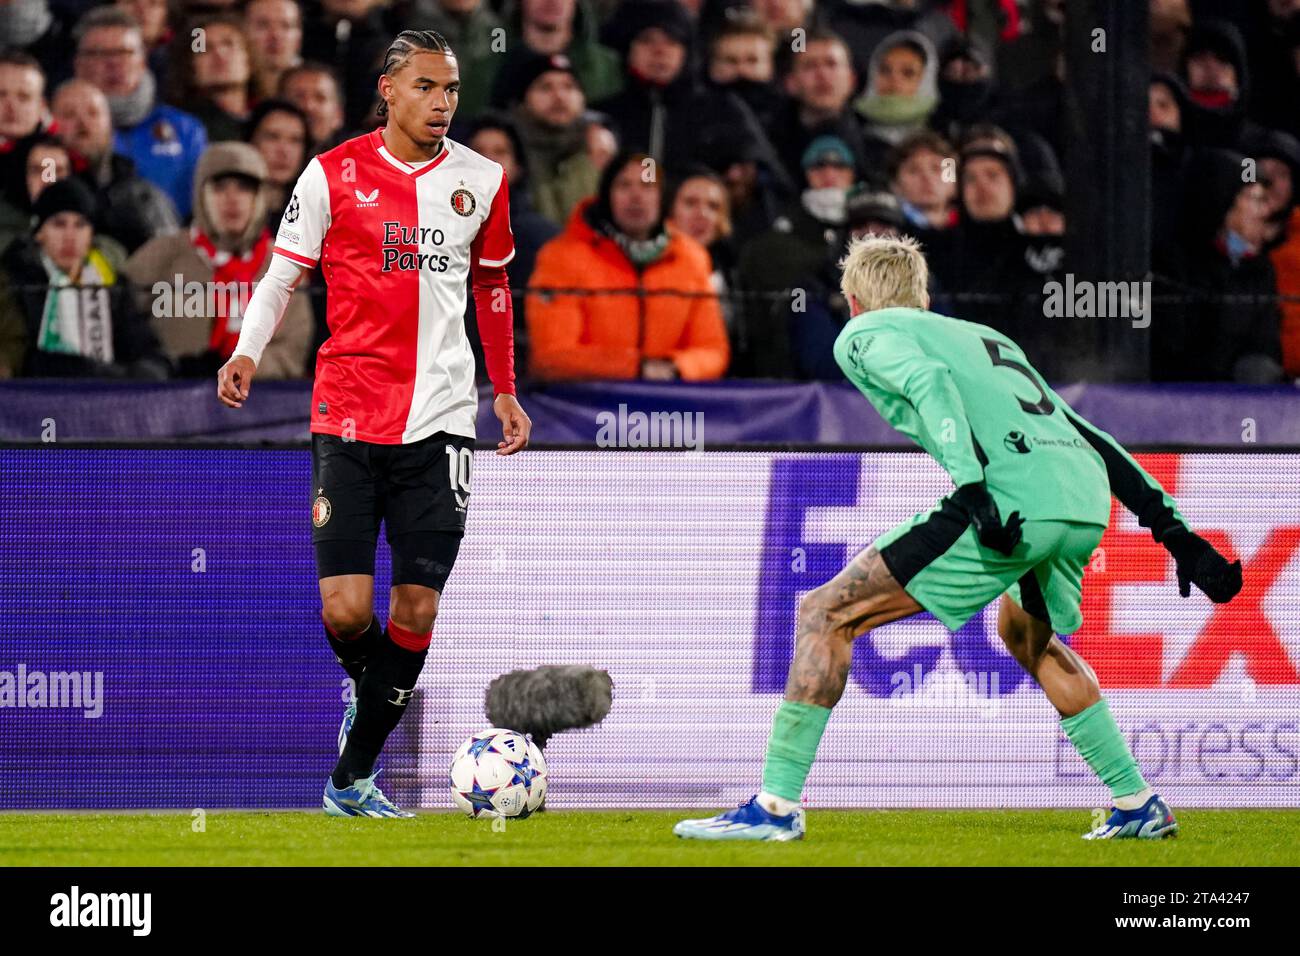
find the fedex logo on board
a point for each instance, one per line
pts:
(1176, 657)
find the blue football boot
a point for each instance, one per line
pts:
(362, 799)
(748, 821)
(1152, 822)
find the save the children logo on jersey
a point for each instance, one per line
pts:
(463, 202)
(1015, 441)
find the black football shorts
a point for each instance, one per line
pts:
(420, 491)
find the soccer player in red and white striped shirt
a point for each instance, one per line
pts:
(398, 220)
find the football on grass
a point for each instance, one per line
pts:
(498, 773)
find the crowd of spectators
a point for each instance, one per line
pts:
(684, 174)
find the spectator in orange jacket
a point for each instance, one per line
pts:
(617, 240)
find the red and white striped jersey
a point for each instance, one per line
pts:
(396, 244)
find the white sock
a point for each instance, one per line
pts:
(1134, 801)
(777, 806)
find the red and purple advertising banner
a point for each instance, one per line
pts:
(161, 646)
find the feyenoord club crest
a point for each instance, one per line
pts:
(321, 510)
(462, 201)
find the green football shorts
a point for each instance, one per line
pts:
(938, 560)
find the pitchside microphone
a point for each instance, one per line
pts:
(550, 699)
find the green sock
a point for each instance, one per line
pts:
(796, 731)
(1099, 742)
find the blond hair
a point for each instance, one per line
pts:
(884, 271)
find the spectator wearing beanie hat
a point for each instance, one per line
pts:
(1214, 67)
(1040, 199)
(813, 330)
(983, 262)
(664, 110)
(757, 183)
(1040, 216)
(877, 213)
(1040, 210)
(63, 311)
(967, 92)
(1277, 158)
(544, 29)
(560, 137)
(793, 247)
(988, 178)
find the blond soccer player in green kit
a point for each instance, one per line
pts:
(967, 395)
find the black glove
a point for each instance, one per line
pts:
(974, 499)
(1198, 563)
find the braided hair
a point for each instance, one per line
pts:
(407, 43)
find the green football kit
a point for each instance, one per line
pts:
(967, 395)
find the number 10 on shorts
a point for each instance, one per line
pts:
(458, 469)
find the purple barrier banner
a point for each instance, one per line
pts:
(161, 644)
(638, 414)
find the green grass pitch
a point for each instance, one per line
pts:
(640, 838)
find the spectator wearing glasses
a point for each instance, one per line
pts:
(154, 17)
(164, 142)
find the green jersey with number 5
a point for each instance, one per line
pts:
(966, 394)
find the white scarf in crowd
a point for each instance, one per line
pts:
(77, 319)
